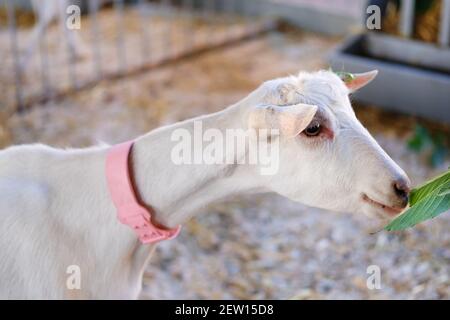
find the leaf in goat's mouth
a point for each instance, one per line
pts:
(426, 202)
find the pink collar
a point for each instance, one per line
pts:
(129, 210)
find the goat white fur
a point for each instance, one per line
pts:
(55, 209)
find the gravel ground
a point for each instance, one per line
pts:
(261, 246)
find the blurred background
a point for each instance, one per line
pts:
(130, 66)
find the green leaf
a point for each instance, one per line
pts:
(428, 188)
(427, 202)
(445, 189)
(424, 210)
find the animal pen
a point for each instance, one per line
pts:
(114, 41)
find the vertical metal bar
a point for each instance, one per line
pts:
(258, 8)
(249, 7)
(96, 48)
(257, 12)
(407, 17)
(444, 32)
(209, 7)
(120, 43)
(145, 37)
(45, 67)
(250, 13)
(15, 52)
(230, 7)
(178, 16)
(168, 43)
(231, 12)
(188, 5)
(189, 34)
(70, 50)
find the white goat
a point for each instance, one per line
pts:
(55, 209)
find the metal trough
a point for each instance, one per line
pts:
(414, 76)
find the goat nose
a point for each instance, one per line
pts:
(402, 187)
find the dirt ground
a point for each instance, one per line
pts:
(261, 246)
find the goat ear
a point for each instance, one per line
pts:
(289, 120)
(356, 81)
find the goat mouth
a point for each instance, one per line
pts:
(392, 211)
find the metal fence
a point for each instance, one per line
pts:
(117, 38)
(407, 21)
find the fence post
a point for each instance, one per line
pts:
(407, 18)
(188, 6)
(45, 68)
(70, 50)
(145, 38)
(121, 53)
(168, 46)
(96, 50)
(444, 32)
(15, 52)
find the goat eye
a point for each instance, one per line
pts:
(313, 129)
